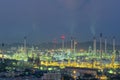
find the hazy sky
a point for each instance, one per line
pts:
(44, 20)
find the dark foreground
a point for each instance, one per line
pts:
(14, 70)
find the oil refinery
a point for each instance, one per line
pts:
(77, 64)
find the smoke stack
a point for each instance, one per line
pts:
(94, 44)
(101, 44)
(105, 45)
(113, 43)
(54, 43)
(63, 38)
(75, 43)
(3, 52)
(25, 43)
(71, 43)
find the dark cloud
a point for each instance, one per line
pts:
(45, 19)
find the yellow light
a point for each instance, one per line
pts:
(62, 67)
(41, 68)
(74, 72)
(0, 55)
(50, 69)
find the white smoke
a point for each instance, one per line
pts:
(93, 29)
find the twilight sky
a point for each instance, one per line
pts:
(44, 20)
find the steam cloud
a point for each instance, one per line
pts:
(93, 30)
